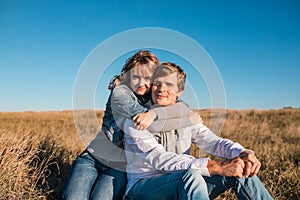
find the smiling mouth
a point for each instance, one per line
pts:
(160, 96)
(141, 88)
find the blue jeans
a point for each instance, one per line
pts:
(189, 184)
(90, 179)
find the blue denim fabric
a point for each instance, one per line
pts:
(129, 102)
(189, 184)
(89, 179)
(110, 127)
(244, 188)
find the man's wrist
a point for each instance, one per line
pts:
(213, 167)
(247, 151)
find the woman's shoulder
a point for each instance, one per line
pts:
(122, 89)
(121, 86)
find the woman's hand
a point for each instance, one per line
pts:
(143, 120)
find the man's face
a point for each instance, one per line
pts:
(165, 90)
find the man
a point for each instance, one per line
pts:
(159, 166)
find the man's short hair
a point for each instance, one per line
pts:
(167, 68)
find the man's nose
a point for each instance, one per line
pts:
(162, 87)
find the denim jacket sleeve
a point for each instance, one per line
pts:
(125, 103)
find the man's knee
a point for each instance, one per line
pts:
(194, 185)
(196, 173)
(194, 176)
(242, 181)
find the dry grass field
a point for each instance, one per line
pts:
(38, 148)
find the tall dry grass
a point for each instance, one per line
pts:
(38, 148)
(36, 152)
(274, 135)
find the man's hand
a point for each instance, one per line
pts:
(143, 120)
(245, 165)
(252, 164)
(234, 167)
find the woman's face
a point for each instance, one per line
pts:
(140, 77)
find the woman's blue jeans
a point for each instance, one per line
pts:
(90, 179)
(189, 184)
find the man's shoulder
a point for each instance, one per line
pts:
(132, 132)
(128, 123)
(193, 127)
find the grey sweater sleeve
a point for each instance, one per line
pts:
(171, 117)
(176, 110)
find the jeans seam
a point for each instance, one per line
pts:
(247, 191)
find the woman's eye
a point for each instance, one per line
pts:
(135, 77)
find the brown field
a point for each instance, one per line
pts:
(38, 148)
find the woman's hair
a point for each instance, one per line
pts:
(142, 59)
(114, 81)
(167, 68)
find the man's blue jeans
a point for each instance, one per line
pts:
(90, 179)
(189, 184)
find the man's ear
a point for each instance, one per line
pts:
(179, 93)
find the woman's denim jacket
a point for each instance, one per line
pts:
(133, 106)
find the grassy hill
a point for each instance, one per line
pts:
(38, 148)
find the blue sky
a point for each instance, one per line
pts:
(254, 44)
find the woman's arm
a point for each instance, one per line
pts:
(167, 118)
(125, 103)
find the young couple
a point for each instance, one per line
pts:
(157, 136)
